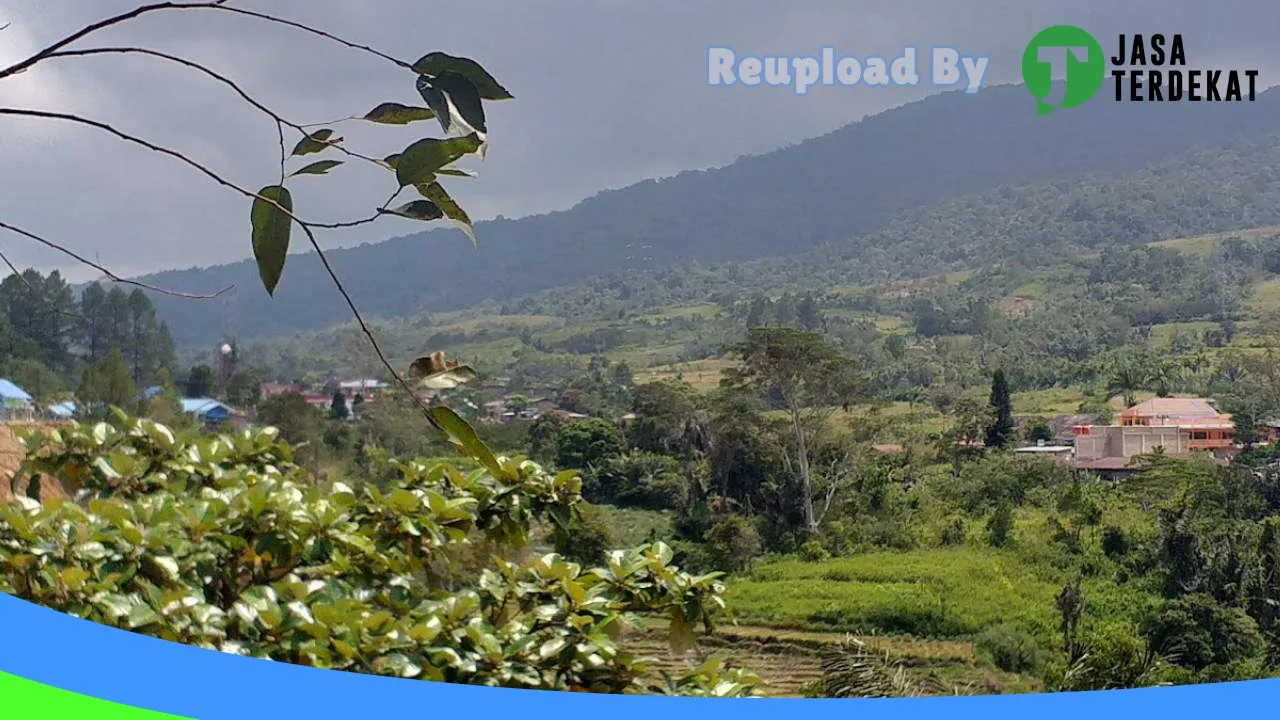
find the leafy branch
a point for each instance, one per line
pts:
(453, 89)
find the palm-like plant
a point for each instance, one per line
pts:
(854, 670)
(1127, 378)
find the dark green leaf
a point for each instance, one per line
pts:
(417, 210)
(396, 114)
(315, 142)
(320, 167)
(455, 101)
(438, 63)
(437, 194)
(464, 437)
(271, 226)
(33, 487)
(419, 162)
(436, 100)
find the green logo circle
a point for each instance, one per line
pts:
(1069, 53)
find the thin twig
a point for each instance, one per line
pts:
(23, 65)
(368, 333)
(202, 169)
(313, 31)
(27, 63)
(279, 120)
(284, 154)
(111, 275)
(35, 292)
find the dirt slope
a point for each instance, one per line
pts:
(12, 452)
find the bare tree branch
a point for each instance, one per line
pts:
(202, 169)
(23, 65)
(55, 50)
(368, 333)
(280, 120)
(23, 279)
(111, 275)
(313, 31)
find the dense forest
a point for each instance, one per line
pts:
(848, 184)
(52, 342)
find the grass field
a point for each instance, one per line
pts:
(937, 593)
(701, 374)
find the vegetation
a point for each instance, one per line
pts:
(831, 430)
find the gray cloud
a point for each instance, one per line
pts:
(608, 93)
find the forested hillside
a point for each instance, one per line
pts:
(847, 184)
(1216, 189)
(102, 345)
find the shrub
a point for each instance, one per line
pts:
(1000, 525)
(733, 544)
(224, 543)
(1198, 633)
(588, 540)
(1115, 544)
(1010, 649)
(954, 532)
(813, 551)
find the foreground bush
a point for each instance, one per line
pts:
(222, 543)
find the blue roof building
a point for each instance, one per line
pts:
(63, 410)
(207, 409)
(15, 403)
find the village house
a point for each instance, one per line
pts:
(1177, 426)
(15, 403)
(213, 412)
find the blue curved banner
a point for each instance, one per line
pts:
(78, 656)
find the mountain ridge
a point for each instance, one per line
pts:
(850, 182)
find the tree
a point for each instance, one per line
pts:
(662, 410)
(296, 419)
(108, 383)
(1000, 431)
(200, 382)
(1000, 525)
(338, 407)
(451, 623)
(811, 380)
(588, 444)
(244, 584)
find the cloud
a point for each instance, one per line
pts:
(607, 93)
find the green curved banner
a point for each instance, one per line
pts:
(21, 699)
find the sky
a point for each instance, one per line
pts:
(607, 93)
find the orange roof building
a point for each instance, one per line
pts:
(1208, 429)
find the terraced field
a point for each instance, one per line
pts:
(788, 660)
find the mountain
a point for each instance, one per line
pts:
(848, 183)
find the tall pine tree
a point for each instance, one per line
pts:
(1000, 431)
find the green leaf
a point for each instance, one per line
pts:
(455, 101)
(315, 142)
(142, 615)
(319, 167)
(396, 114)
(437, 63)
(420, 161)
(681, 634)
(417, 210)
(271, 226)
(436, 193)
(464, 437)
